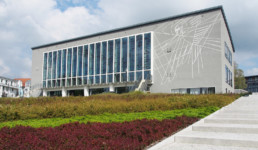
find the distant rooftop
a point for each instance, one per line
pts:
(23, 80)
(143, 24)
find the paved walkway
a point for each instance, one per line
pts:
(234, 127)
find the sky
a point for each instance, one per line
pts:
(28, 23)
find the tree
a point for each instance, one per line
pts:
(240, 82)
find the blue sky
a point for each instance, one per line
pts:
(28, 23)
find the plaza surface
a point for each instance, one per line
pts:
(234, 127)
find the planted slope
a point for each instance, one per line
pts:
(128, 135)
(55, 107)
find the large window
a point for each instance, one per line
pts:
(116, 60)
(139, 52)
(104, 58)
(54, 65)
(124, 55)
(117, 55)
(97, 59)
(91, 60)
(74, 61)
(228, 53)
(79, 69)
(131, 53)
(110, 56)
(49, 64)
(85, 61)
(147, 51)
(229, 77)
(69, 62)
(45, 67)
(63, 62)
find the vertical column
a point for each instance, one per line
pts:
(111, 88)
(44, 92)
(86, 91)
(64, 92)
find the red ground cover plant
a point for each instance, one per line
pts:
(128, 135)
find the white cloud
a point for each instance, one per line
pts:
(4, 68)
(27, 23)
(253, 71)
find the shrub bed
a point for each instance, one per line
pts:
(128, 135)
(109, 118)
(53, 107)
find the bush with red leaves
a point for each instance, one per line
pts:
(128, 135)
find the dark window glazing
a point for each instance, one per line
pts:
(97, 80)
(117, 55)
(85, 60)
(139, 75)
(74, 61)
(131, 53)
(147, 51)
(91, 60)
(54, 65)
(147, 75)
(139, 52)
(131, 76)
(49, 65)
(58, 69)
(124, 77)
(97, 59)
(124, 54)
(103, 79)
(69, 62)
(104, 58)
(45, 67)
(110, 56)
(63, 62)
(79, 69)
(110, 78)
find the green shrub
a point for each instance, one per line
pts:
(53, 107)
(118, 117)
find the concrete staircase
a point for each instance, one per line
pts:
(234, 127)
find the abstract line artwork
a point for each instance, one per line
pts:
(182, 42)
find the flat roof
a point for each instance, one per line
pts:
(143, 24)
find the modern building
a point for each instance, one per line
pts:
(189, 53)
(9, 87)
(252, 83)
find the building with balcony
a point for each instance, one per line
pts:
(10, 87)
(189, 53)
(252, 83)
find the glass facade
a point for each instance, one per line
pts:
(54, 66)
(79, 68)
(69, 62)
(74, 65)
(125, 59)
(63, 62)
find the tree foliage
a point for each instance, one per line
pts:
(240, 82)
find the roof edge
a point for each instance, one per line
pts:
(143, 24)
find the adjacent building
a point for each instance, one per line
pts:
(10, 87)
(189, 53)
(25, 86)
(252, 83)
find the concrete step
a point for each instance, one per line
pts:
(231, 121)
(227, 128)
(236, 116)
(186, 146)
(218, 139)
(239, 111)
